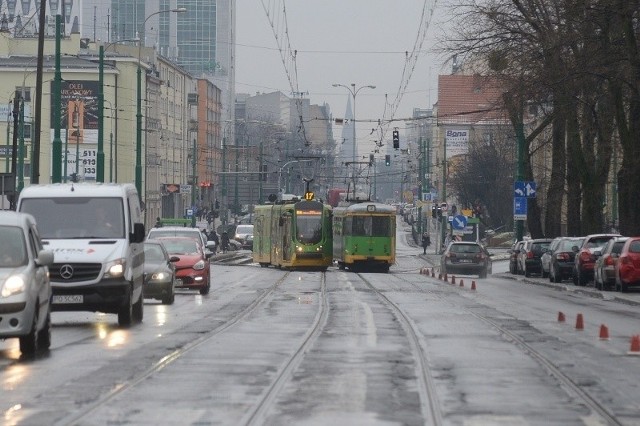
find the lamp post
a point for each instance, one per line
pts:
(110, 140)
(138, 174)
(354, 91)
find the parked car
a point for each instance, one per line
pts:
(25, 290)
(464, 257)
(241, 235)
(627, 270)
(530, 254)
(159, 272)
(562, 259)
(585, 259)
(605, 268)
(193, 270)
(513, 258)
(545, 259)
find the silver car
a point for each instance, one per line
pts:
(25, 291)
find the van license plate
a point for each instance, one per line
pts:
(75, 298)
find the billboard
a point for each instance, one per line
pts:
(457, 142)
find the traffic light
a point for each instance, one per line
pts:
(387, 160)
(371, 159)
(439, 211)
(434, 211)
(396, 139)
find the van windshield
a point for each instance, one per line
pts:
(77, 217)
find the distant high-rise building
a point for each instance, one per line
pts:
(201, 39)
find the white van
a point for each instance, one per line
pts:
(95, 231)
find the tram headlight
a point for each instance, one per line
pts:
(299, 249)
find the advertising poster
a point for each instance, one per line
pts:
(457, 142)
(79, 127)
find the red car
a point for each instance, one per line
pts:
(193, 270)
(583, 269)
(628, 266)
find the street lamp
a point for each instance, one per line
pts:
(138, 175)
(354, 91)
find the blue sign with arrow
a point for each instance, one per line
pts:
(459, 221)
(524, 189)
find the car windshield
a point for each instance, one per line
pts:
(182, 246)
(567, 245)
(77, 217)
(244, 229)
(465, 248)
(538, 247)
(309, 228)
(12, 247)
(597, 242)
(153, 252)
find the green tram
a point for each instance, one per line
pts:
(293, 235)
(364, 236)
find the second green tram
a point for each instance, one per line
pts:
(364, 236)
(293, 235)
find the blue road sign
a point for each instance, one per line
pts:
(520, 208)
(524, 189)
(459, 222)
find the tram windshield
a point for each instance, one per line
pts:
(371, 226)
(309, 227)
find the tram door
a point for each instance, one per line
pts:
(286, 238)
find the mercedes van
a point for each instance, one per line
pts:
(95, 231)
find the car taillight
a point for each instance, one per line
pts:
(530, 255)
(480, 256)
(608, 261)
(451, 255)
(563, 256)
(585, 256)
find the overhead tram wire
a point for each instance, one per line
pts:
(287, 54)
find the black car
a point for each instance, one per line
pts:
(562, 259)
(159, 273)
(530, 254)
(465, 257)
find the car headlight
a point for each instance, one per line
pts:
(159, 276)
(115, 269)
(199, 266)
(13, 285)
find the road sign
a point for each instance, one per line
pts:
(524, 189)
(520, 208)
(459, 222)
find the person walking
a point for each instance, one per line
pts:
(426, 242)
(224, 241)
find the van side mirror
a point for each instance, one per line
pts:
(138, 233)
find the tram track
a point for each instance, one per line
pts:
(568, 383)
(257, 414)
(430, 404)
(84, 412)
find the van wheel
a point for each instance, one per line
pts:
(44, 335)
(138, 310)
(125, 314)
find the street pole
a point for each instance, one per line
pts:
(138, 171)
(223, 213)
(520, 172)
(235, 190)
(14, 153)
(100, 159)
(21, 148)
(422, 184)
(194, 182)
(35, 161)
(56, 145)
(260, 176)
(443, 228)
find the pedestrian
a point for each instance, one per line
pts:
(426, 242)
(213, 236)
(224, 241)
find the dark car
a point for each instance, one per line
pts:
(193, 269)
(562, 259)
(604, 277)
(530, 255)
(585, 260)
(159, 273)
(545, 259)
(628, 267)
(513, 257)
(464, 257)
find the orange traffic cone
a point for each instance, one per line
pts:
(635, 345)
(461, 283)
(604, 332)
(561, 317)
(473, 285)
(579, 322)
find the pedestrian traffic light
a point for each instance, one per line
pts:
(396, 139)
(387, 160)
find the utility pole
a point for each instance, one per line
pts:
(56, 145)
(100, 155)
(14, 153)
(261, 175)
(20, 170)
(443, 228)
(194, 180)
(223, 213)
(35, 161)
(519, 224)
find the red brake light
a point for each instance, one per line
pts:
(562, 256)
(585, 256)
(530, 255)
(609, 261)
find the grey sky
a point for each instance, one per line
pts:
(338, 41)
